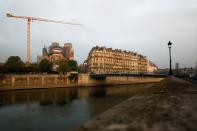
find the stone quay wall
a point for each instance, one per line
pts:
(87, 80)
(8, 82)
(32, 81)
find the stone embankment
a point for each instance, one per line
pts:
(170, 105)
(9, 82)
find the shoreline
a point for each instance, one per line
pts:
(16, 82)
(71, 86)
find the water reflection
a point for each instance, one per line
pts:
(59, 108)
(58, 96)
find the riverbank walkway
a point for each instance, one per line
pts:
(170, 105)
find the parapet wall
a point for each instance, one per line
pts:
(32, 81)
(8, 82)
(87, 80)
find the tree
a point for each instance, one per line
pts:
(14, 64)
(73, 65)
(14, 61)
(45, 66)
(63, 67)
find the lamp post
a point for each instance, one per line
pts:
(169, 46)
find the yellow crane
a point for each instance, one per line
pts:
(30, 19)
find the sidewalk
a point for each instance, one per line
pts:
(172, 106)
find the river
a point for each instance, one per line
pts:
(60, 109)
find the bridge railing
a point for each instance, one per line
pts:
(127, 74)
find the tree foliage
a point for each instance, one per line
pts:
(13, 64)
(14, 61)
(63, 67)
(45, 66)
(73, 65)
(66, 66)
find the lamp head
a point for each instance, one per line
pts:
(169, 44)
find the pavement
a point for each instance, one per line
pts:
(190, 79)
(170, 105)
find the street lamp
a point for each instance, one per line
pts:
(169, 46)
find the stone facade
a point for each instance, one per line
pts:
(9, 82)
(56, 53)
(151, 67)
(68, 51)
(83, 68)
(107, 60)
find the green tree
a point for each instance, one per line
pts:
(73, 65)
(63, 67)
(14, 64)
(45, 66)
(35, 65)
(14, 61)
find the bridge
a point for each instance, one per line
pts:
(104, 75)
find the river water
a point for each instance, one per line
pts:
(58, 109)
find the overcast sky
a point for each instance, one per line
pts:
(144, 26)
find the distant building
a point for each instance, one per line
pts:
(186, 71)
(107, 60)
(39, 59)
(68, 51)
(177, 69)
(83, 67)
(55, 53)
(45, 53)
(151, 67)
(163, 71)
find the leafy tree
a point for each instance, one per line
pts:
(14, 61)
(14, 64)
(2, 69)
(66, 66)
(45, 66)
(35, 65)
(73, 65)
(63, 67)
(74, 68)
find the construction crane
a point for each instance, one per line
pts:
(30, 19)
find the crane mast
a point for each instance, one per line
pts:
(28, 42)
(29, 19)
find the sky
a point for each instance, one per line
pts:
(142, 26)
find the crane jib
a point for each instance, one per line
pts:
(29, 19)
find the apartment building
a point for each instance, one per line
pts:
(107, 60)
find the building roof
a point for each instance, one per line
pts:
(102, 48)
